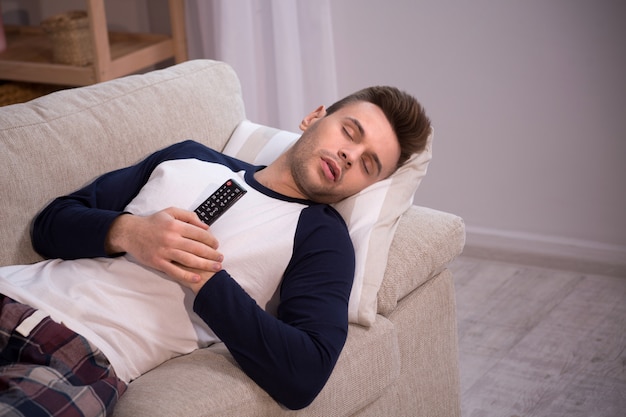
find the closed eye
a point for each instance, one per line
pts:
(347, 133)
(366, 166)
(373, 165)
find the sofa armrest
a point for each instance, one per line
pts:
(425, 241)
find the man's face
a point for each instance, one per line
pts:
(341, 154)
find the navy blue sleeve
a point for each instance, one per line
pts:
(290, 356)
(75, 226)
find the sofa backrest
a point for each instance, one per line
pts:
(55, 144)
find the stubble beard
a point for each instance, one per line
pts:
(302, 159)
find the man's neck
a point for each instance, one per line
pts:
(277, 177)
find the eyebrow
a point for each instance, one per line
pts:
(359, 127)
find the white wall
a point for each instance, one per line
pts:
(528, 99)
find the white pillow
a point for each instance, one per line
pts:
(371, 215)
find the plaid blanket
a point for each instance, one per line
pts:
(48, 370)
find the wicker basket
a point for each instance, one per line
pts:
(71, 40)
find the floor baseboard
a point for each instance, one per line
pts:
(545, 251)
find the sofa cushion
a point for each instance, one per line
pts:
(208, 382)
(372, 215)
(53, 145)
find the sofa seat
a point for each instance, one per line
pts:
(229, 392)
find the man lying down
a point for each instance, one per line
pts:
(136, 275)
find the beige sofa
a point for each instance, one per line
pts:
(404, 364)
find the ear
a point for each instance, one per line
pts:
(312, 117)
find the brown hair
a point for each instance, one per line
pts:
(406, 115)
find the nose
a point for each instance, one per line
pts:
(347, 156)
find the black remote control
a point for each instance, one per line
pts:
(220, 201)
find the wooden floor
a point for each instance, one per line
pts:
(540, 342)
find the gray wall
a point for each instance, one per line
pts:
(528, 99)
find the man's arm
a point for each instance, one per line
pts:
(91, 222)
(76, 225)
(290, 356)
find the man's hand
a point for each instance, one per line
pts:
(197, 283)
(173, 241)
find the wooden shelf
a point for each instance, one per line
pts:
(28, 56)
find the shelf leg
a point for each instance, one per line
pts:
(100, 40)
(179, 35)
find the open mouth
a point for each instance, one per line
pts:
(331, 169)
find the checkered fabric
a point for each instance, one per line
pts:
(48, 370)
